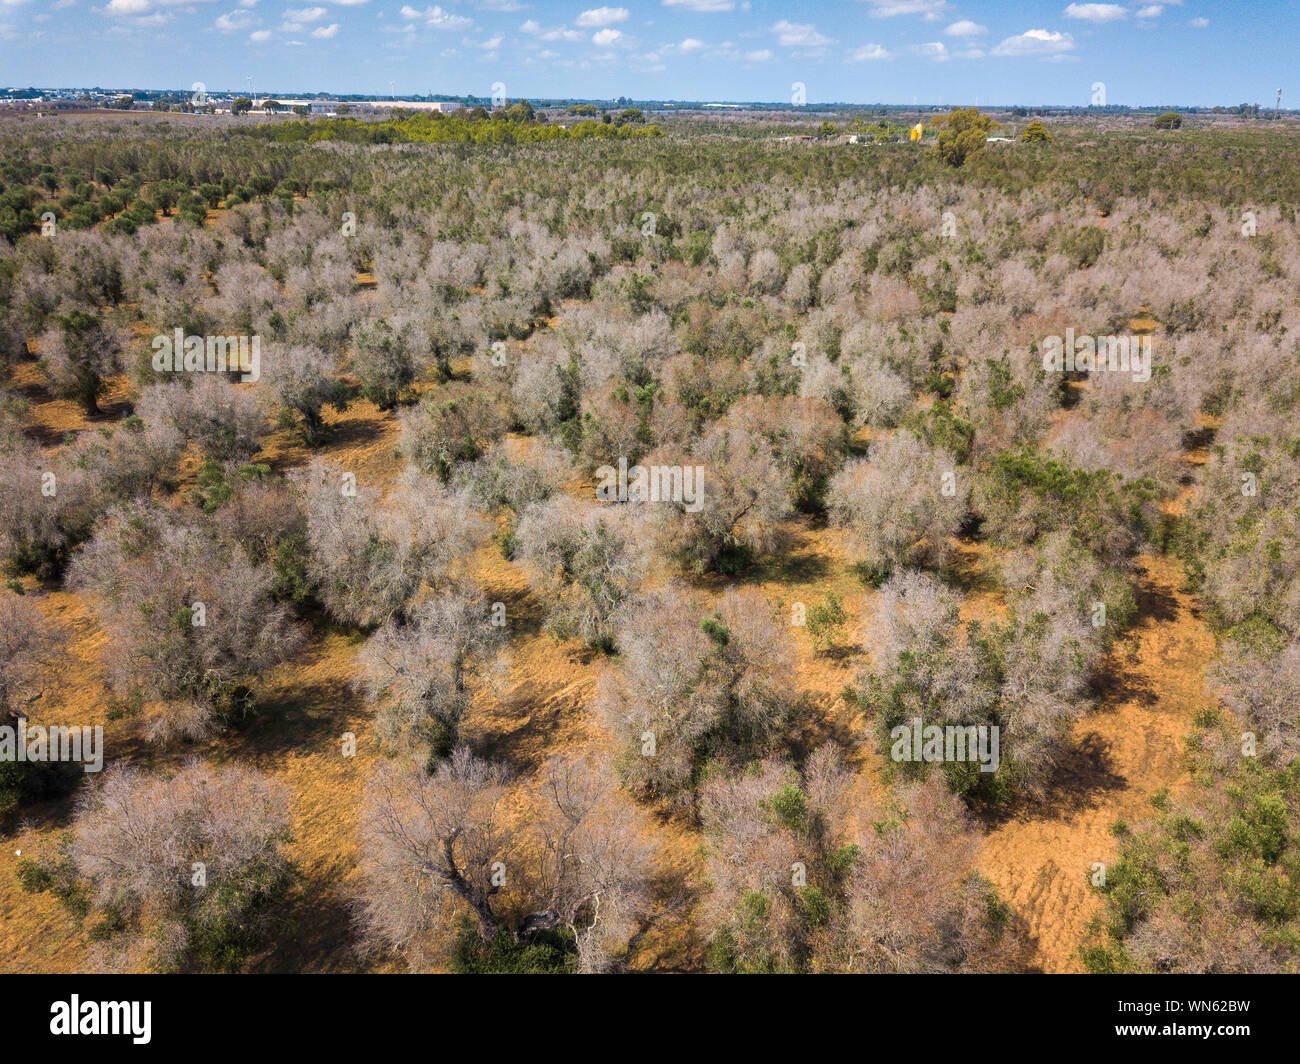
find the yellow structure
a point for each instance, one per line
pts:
(917, 130)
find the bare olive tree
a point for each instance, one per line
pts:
(386, 355)
(449, 845)
(449, 426)
(303, 381)
(177, 872)
(901, 504)
(741, 495)
(371, 554)
(692, 686)
(807, 438)
(191, 620)
(48, 504)
(1028, 676)
(79, 353)
(29, 647)
(424, 673)
(511, 476)
(809, 874)
(225, 421)
(584, 561)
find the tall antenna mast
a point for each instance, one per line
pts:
(1278, 109)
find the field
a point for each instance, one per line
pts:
(388, 680)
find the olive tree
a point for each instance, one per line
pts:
(372, 553)
(584, 562)
(174, 872)
(901, 504)
(191, 621)
(559, 884)
(693, 685)
(423, 673)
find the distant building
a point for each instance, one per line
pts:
(314, 107)
(331, 107)
(431, 106)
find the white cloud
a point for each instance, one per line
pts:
(128, 7)
(602, 16)
(491, 43)
(1036, 42)
(436, 18)
(1096, 12)
(762, 55)
(965, 28)
(325, 33)
(605, 37)
(561, 33)
(868, 53)
(1150, 11)
(691, 44)
(930, 9)
(702, 5)
(236, 21)
(259, 36)
(797, 35)
(935, 50)
(1199, 23)
(300, 16)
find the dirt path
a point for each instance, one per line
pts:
(1127, 749)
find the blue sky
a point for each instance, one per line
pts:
(892, 51)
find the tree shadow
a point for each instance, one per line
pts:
(525, 613)
(1155, 605)
(966, 571)
(813, 726)
(299, 716)
(355, 428)
(839, 654)
(1084, 776)
(311, 929)
(675, 895)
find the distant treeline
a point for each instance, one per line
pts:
(478, 127)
